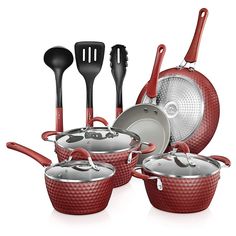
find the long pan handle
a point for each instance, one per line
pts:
(44, 161)
(152, 83)
(192, 53)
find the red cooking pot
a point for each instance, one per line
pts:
(181, 182)
(118, 147)
(75, 187)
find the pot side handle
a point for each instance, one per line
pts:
(142, 176)
(46, 134)
(223, 159)
(44, 161)
(139, 175)
(150, 148)
(97, 118)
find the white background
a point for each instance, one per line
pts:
(27, 96)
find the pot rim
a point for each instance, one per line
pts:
(212, 161)
(103, 152)
(82, 181)
(183, 176)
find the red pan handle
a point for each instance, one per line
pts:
(183, 147)
(97, 118)
(139, 175)
(150, 148)
(59, 119)
(152, 83)
(192, 53)
(44, 161)
(46, 134)
(225, 160)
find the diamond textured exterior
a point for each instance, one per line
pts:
(182, 195)
(79, 198)
(207, 127)
(118, 160)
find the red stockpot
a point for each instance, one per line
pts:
(111, 145)
(75, 187)
(181, 182)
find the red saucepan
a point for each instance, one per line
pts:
(75, 187)
(187, 97)
(118, 147)
(181, 182)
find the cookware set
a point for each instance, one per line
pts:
(175, 117)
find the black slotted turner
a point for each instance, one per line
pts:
(89, 58)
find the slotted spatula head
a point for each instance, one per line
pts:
(89, 58)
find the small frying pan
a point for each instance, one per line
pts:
(188, 98)
(147, 120)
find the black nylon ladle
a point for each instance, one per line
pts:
(58, 59)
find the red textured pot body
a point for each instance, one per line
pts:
(182, 195)
(207, 127)
(79, 198)
(117, 159)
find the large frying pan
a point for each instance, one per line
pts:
(188, 98)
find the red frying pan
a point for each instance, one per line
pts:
(187, 97)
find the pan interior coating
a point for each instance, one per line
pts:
(181, 99)
(149, 122)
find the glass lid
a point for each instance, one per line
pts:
(98, 139)
(80, 171)
(180, 164)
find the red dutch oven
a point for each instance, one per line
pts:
(181, 182)
(75, 186)
(118, 147)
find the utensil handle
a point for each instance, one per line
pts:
(119, 110)
(46, 134)
(118, 59)
(89, 116)
(98, 118)
(150, 148)
(139, 175)
(183, 147)
(192, 53)
(152, 83)
(223, 159)
(44, 161)
(59, 119)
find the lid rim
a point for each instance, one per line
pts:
(131, 134)
(103, 164)
(101, 152)
(182, 176)
(205, 159)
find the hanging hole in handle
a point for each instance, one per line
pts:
(203, 14)
(118, 55)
